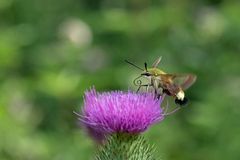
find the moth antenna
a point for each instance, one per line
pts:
(145, 65)
(133, 65)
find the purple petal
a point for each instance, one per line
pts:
(117, 111)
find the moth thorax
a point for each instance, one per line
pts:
(180, 95)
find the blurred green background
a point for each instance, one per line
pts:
(51, 51)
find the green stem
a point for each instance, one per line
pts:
(124, 146)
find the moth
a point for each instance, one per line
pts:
(173, 85)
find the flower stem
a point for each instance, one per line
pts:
(122, 146)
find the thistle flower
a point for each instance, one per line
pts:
(120, 112)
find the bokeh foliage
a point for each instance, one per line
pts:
(52, 51)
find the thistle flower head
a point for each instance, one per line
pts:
(120, 112)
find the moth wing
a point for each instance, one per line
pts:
(172, 88)
(183, 80)
(167, 83)
(156, 62)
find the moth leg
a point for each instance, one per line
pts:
(165, 109)
(171, 112)
(158, 92)
(147, 87)
(143, 85)
(138, 88)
